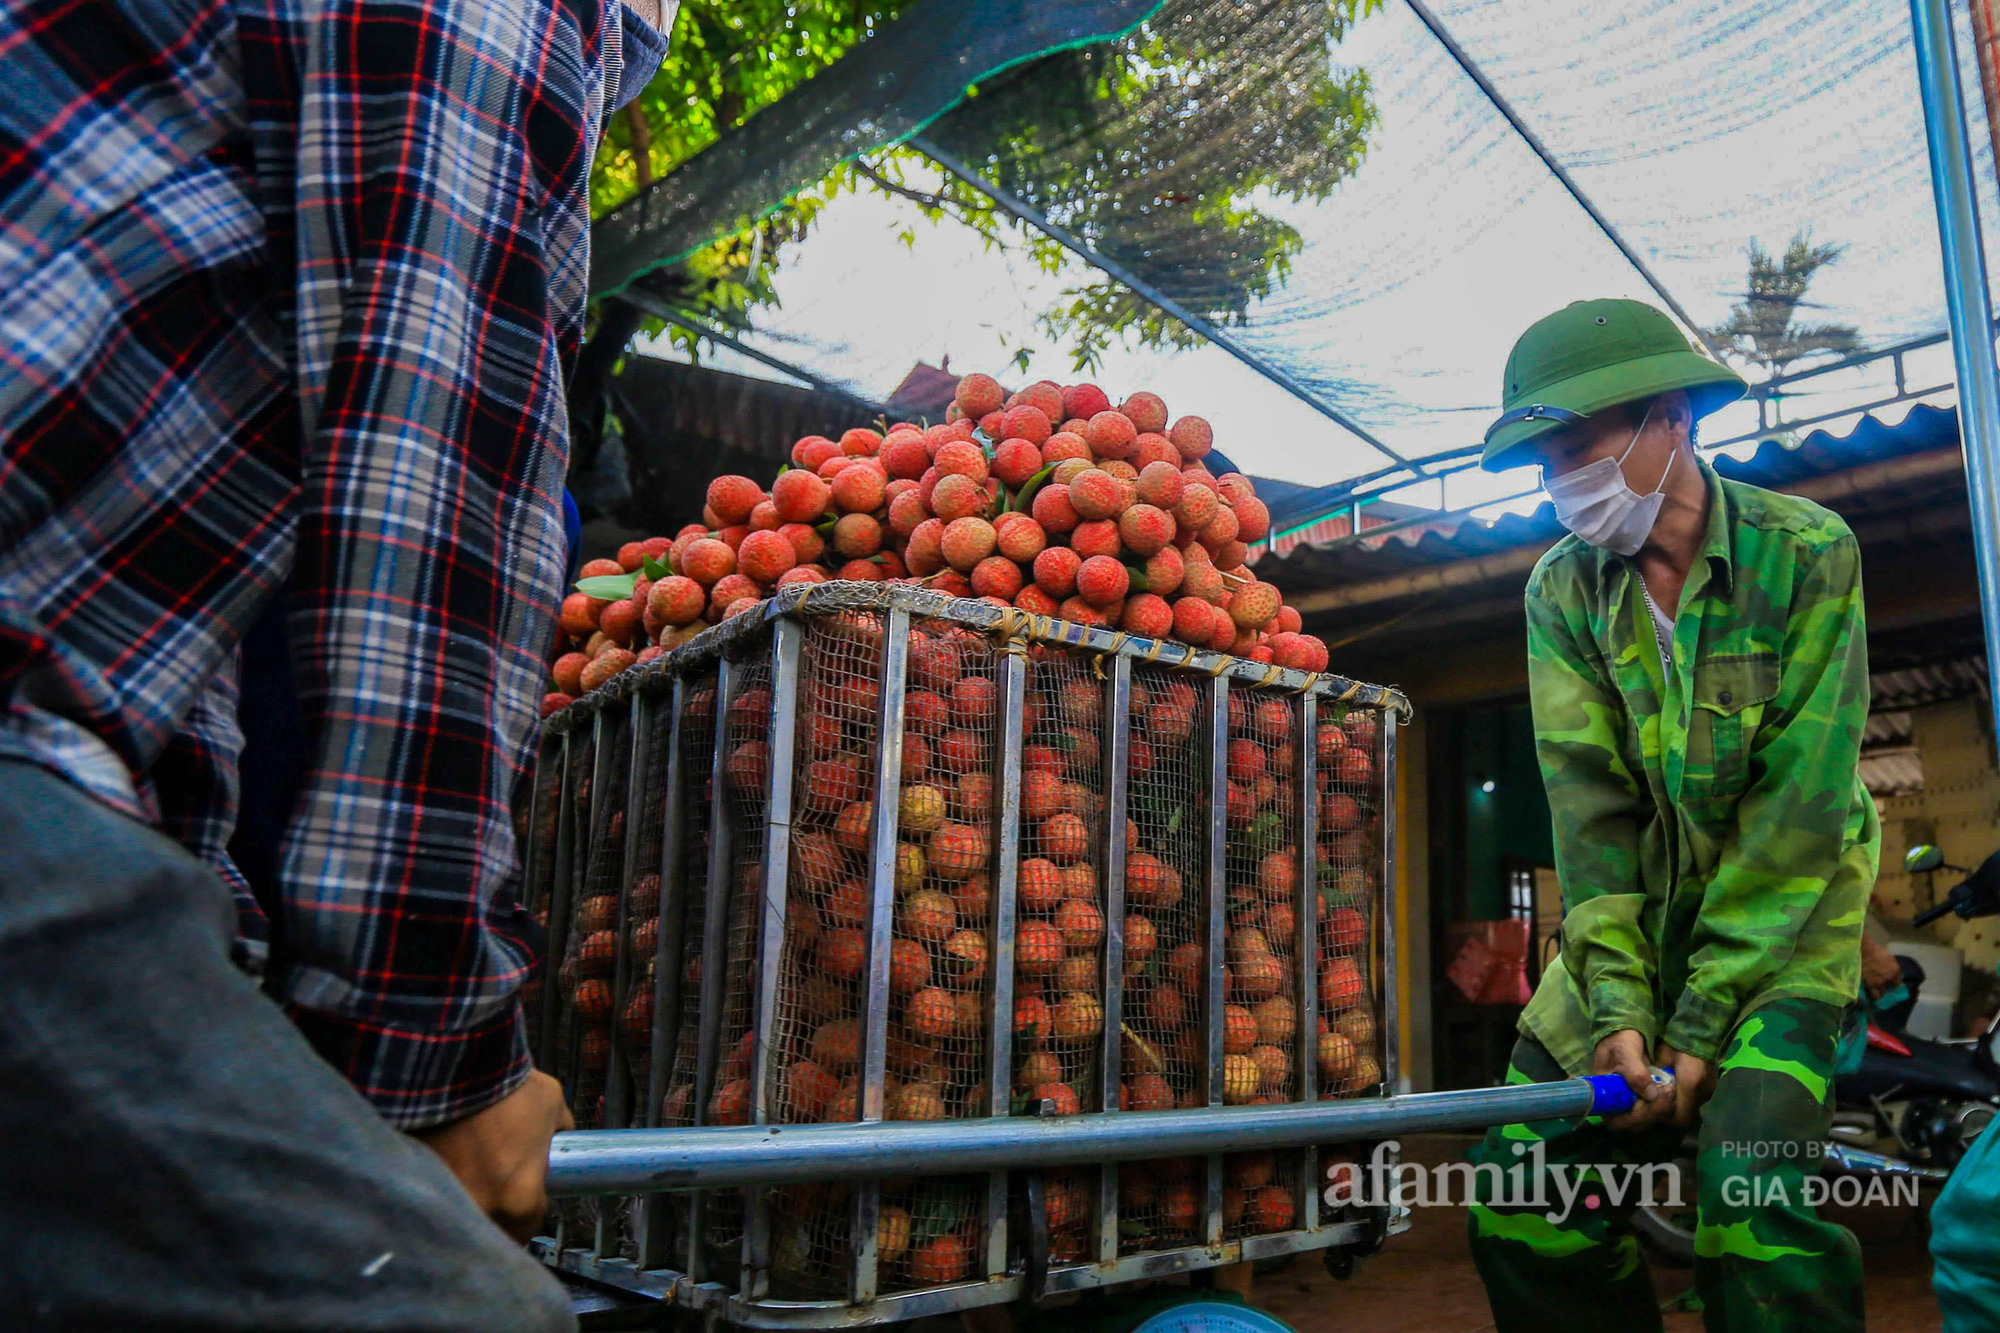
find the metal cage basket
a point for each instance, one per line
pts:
(872, 853)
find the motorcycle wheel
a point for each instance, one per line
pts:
(1669, 1232)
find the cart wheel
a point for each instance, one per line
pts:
(1206, 1316)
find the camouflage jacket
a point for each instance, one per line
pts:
(1715, 845)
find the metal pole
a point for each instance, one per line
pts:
(1506, 108)
(1967, 302)
(632, 1160)
(1023, 211)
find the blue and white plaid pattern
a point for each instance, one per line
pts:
(287, 293)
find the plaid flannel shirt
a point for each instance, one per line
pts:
(287, 293)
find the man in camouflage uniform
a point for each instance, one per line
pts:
(1698, 666)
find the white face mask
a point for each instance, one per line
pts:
(1597, 504)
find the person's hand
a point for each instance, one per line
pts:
(1880, 972)
(501, 1154)
(1624, 1053)
(1694, 1083)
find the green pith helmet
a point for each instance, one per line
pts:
(1591, 355)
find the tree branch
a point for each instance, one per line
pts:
(937, 201)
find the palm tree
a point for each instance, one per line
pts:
(1761, 329)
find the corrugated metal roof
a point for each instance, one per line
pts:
(1465, 537)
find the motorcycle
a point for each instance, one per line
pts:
(1913, 1106)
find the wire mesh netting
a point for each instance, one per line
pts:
(542, 814)
(1164, 1061)
(931, 925)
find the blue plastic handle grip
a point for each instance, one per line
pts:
(1609, 1094)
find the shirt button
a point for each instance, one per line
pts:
(1723, 698)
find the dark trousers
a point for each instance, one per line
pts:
(173, 1155)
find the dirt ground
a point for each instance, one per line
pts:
(1423, 1281)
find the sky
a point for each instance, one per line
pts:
(1695, 127)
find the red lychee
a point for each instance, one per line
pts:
(1110, 434)
(1164, 571)
(1053, 510)
(765, 555)
(1197, 507)
(956, 497)
(732, 497)
(966, 542)
(1025, 423)
(1021, 539)
(1194, 621)
(1253, 519)
(1101, 581)
(812, 450)
(962, 458)
(1084, 400)
(1147, 411)
(1032, 600)
(860, 570)
(1231, 556)
(805, 540)
(1080, 611)
(905, 456)
(860, 442)
(1044, 395)
(1219, 530)
(859, 489)
(978, 394)
(1192, 436)
(801, 574)
(1056, 569)
(906, 511)
(676, 600)
(996, 575)
(1145, 530)
(1147, 614)
(1160, 485)
(727, 590)
(764, 517)
(1099, 538)
(1064, 446)
(1014, 462)
(857, 536)
(705, 560)
(1254, 605)
(1096, 494)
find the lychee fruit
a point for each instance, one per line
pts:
(859, 489)
(1254, 605)
(1053, 510)
(1056, 569)
(812, 450)
(857, 536)
(1021, 539)
(1032, 600)
(733, 497)
(1145, 529)
(1197, 507)
(764, 517)
(1149, 449)
(977, 395)
(1220, 530)
(996, 575)
(905, 456)
(1147, 614)
(1084, 400)
(1146, 410)
(765, 555)
(806, 542)
(1101, 581)
(1164, 571)
(1253, 518)
(1064, 446)
(1192, 436)
(706, 560)
(962, 458)
(1160, 485)
(1045, 395)
(860, 442)
(966, 542)
(1082, 612)
(1231, 556)
(957, 496)
(1025, 422)
(1014, 461)
(1110, 434)
(906, 511)
(1099, 538)
(1194, 621)
(1069, 469)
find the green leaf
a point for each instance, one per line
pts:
(608, 587)
(1140, 583)
(1174, 824)
(1031, 485)
(654, 570)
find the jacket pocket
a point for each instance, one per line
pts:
(1730, 691)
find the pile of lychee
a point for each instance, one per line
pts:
(1050, 500)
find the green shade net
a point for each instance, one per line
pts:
(882, 93)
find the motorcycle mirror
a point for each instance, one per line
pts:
(1921, 859)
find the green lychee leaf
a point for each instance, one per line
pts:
(1140, 583)
(1031, 485)
(608, 587)
(654, 570)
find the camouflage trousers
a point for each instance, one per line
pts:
(1763, 1258)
